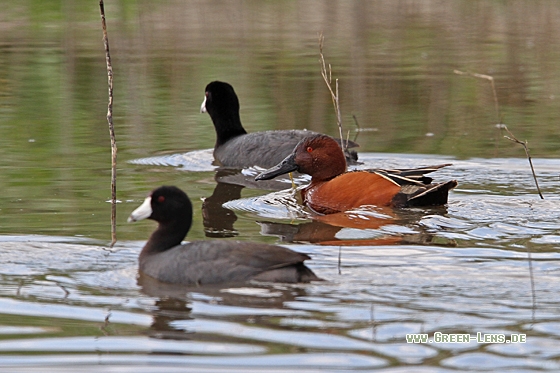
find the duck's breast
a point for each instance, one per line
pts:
(350, 190)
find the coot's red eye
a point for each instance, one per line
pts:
(309, 149)
(160, 199)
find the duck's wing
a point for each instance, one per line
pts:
(416, 188)
(409, 176)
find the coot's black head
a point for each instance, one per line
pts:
(221, 102)
(165, 204)
(219, 97)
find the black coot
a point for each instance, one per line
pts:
(238, 149)
(208, 262)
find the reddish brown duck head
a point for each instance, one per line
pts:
(319, 156)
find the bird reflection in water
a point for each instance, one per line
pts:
(174, 302)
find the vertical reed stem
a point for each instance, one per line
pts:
(503, 126)
(111, 129)
(327, 77)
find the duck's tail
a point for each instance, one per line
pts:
(426, 195)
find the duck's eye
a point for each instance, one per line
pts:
(309, 149)
(161, 199)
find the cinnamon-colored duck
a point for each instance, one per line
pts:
(333, 189)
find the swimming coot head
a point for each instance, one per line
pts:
(222, 104)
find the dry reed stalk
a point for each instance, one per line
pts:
(511, 137)
(111, 129)
(491, 80)
(524, 144)
(327, 77)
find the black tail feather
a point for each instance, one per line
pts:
(434, 194)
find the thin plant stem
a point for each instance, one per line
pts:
(111, 129)
(511, 137)
(491, 80)
(532, 278)
(327, 77)
(503, 126)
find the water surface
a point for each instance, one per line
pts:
(487, 262)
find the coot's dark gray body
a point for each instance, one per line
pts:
(247, 150)
(214, 262)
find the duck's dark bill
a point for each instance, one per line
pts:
(287, 165)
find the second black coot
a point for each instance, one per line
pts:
(208, 262)
(238, 149)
